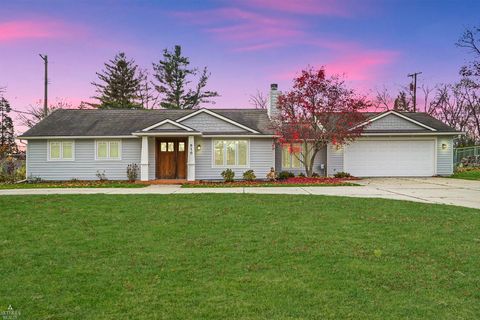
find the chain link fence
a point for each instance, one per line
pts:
(466, 157)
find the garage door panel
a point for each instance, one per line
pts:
(370, 158)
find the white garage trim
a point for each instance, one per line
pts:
(354, 154)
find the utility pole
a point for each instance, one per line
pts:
(45, 98)
(413, 87)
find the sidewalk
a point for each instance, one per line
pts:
(426, 190)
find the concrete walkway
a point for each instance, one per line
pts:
(429, 190)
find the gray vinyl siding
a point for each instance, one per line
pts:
(334, 160)
(167, 126)
(392, 122)
(84, 167)
(320, 158)
(261, 159)
(206, 123)
(444, 157)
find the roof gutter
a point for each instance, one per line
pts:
(239, 136)
(433, 133)
(73, 137)
(166, 134)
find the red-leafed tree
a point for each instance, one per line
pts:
(318, 111)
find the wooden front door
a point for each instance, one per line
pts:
(171, 158)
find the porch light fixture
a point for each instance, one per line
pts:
(444, 146)
(199, 147)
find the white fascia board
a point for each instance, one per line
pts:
(176, 124)
(164, 134)
(214, 114)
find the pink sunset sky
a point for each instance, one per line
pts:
(246, 45)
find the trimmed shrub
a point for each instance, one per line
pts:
(342, 174)
(301, 175)
(285, 175)
(228, 175)
(249, 175)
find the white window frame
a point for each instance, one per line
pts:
(49, 142)
(236, 165)
(292, 156)
(108, 141)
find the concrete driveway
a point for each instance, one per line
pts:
(429, 190)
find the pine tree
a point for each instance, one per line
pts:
(7, 135)
(172, 74)
(401, 103)
(121, 84)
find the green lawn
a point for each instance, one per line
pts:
(72, 184)
(237, 257)
(469, 175)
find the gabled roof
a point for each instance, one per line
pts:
(429, 123)
(101, 122)
(157, 126)
(216, 115)
(379, 116)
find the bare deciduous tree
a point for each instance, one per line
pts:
(259, 100)
(470, 39)
(427, 92)
(36, 113)
(383, 100)
(457, 106)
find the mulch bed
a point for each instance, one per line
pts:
(295, 181)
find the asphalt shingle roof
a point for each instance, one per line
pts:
(74, 122)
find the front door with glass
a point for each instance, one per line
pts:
(171, 158)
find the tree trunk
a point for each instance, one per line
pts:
(309, 164)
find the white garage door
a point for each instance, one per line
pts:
(380, 158)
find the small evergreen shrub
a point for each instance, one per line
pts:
(315, 175)
(285, 175)
(342, 174)
(301, 175)
(228, 175)
(249, 175)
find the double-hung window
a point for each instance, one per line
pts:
(291, 155)
(108, 150)
(230, 153)
(61, 150)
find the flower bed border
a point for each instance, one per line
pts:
(290, 182)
